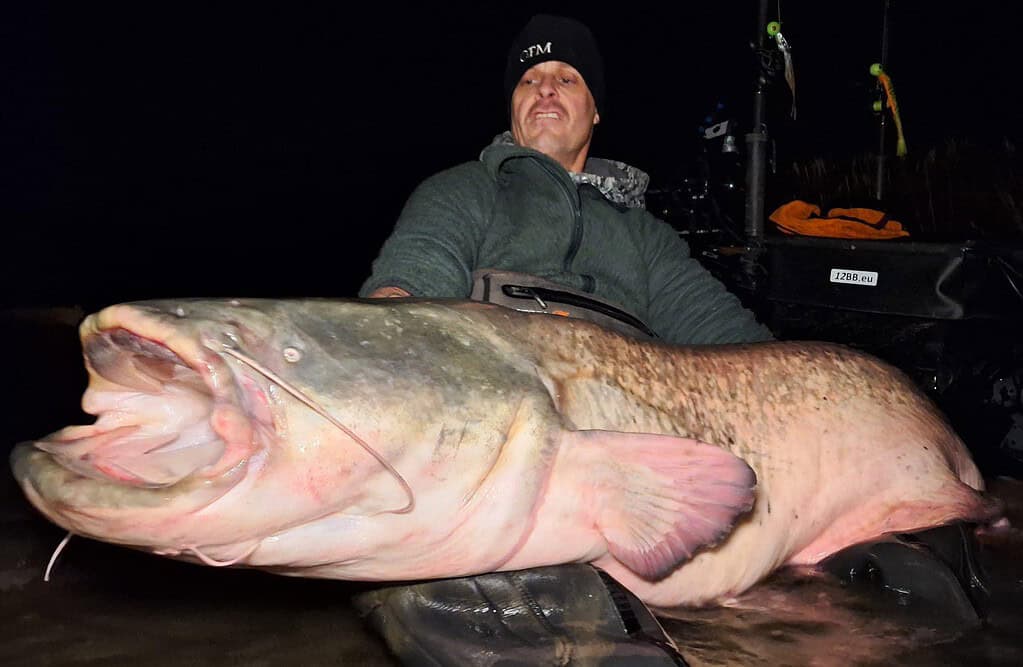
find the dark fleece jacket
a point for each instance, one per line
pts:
(516, 209)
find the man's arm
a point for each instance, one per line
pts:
(432, 250)
(688, 305)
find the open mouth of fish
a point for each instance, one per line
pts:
(171, 416)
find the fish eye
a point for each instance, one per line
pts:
(292, 354)
(231, 337)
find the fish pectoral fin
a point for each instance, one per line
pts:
(663, 498)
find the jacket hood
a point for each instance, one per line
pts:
(620, 183)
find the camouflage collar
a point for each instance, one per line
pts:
(617, 181)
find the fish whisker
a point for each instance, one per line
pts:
(318, 409)
(53, 558)
(212, 562)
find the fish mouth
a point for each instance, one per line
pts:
(171, 419)
(85, 505)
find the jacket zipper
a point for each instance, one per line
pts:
(577, 224)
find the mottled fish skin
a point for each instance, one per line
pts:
(482, 410)
(845, 447)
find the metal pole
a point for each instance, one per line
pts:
(756, 143)
(881, 157)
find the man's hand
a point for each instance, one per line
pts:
(387, 291)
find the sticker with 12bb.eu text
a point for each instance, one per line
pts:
(854, 277)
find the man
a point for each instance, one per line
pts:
(536, 203)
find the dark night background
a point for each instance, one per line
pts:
(168, 149)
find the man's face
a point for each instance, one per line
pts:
(552, 111)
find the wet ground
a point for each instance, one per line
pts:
(107, 605)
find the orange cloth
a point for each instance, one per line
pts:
(799, 217)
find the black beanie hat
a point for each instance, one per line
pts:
(548, 37)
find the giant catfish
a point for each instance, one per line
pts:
(404, 439)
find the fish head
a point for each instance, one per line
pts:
(208, 434)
